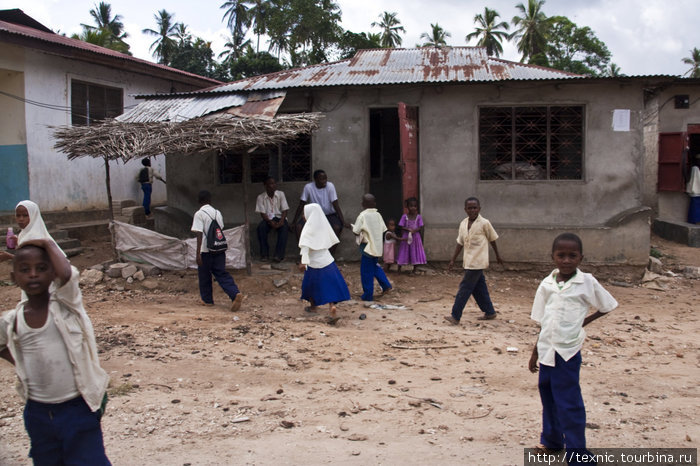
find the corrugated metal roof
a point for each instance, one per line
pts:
(20, 30)
(182, 108)
(401, 66)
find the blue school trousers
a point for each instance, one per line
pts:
(214, 263)
(147, 189)
(563, 412)
(64, 433)
(369, 270)
(474, 284)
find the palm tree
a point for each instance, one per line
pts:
(694, 62)
(182, 35)
(233, 49)
(613, 71)
(258, 15)
(102, 14)
(237, 20)
(94, 36)
(532, 25)
(164, 45)
(391, 27)
(436, 38)
(488, 32)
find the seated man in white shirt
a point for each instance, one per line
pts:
(321, 192)
(273, 208)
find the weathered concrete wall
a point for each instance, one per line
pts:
(674, 206)
(527, 213)
(54, 182)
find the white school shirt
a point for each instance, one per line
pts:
(201, 221)
(74, 326)
(475, 242)
(560, 313)
(371, 225)
(325, 197)
(271, 206)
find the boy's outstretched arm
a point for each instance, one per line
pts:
(458, 249)
(592, 317)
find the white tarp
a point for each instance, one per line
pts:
(167, 253)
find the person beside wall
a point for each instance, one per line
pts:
(145, 177)
(273, 208)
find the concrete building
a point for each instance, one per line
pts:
(545, 151)
(49, 80)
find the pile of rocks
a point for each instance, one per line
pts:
(129, 271)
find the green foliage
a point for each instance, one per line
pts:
(489, 32)
(437, 37)
(391, 27)
(530, 29)
(167, 29)
(254, 63)
(575, 49)
(305, 29)
(108, 32)
(694, 62)
(195, 57)
(351, 42)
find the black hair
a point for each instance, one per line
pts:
(411, 199)
(318, 173)
(472, 199)
(568, 237)
(204, 197)
(146, 162)
(268, 178)
(19, 252)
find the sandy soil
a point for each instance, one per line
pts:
(271, 384)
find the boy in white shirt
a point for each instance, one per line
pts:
(50, 340)
(561, 305)
(370, 227)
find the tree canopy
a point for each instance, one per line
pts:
(489, 33)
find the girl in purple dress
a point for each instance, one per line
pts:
(411, 250)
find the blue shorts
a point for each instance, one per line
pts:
(64, 433)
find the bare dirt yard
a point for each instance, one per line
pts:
(271, 384)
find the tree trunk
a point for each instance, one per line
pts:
(111, 211)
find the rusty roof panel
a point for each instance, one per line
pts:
(401, 66)
(182, 108)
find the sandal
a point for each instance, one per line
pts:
(542, 449)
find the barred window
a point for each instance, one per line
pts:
(91, 102)
(531, 143)
(296, 159)
(290, 161)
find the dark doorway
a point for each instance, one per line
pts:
(385, 155)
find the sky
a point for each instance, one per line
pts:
(648, 37)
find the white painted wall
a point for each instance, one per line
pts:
(56, 183)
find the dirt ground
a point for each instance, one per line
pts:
(271, 384)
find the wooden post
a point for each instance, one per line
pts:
(111, 210)
(246, 171)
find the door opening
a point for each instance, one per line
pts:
(385, 156)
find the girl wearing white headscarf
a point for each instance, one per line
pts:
(323, 283)
(33, 227)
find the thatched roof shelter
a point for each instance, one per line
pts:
(119, 140)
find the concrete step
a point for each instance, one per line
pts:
(87, 230)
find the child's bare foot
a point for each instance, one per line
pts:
(310, 309)
(333, 309)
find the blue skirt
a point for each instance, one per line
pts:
(694, 210)
(323, 286)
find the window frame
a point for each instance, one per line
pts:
(548, 133)
(88, 118)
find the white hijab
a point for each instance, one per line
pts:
(36, 228)
(317, 233)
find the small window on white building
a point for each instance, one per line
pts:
(92, 102)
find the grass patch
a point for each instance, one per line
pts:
(655, 253)
(121, 390)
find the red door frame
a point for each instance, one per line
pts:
(408, 137)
